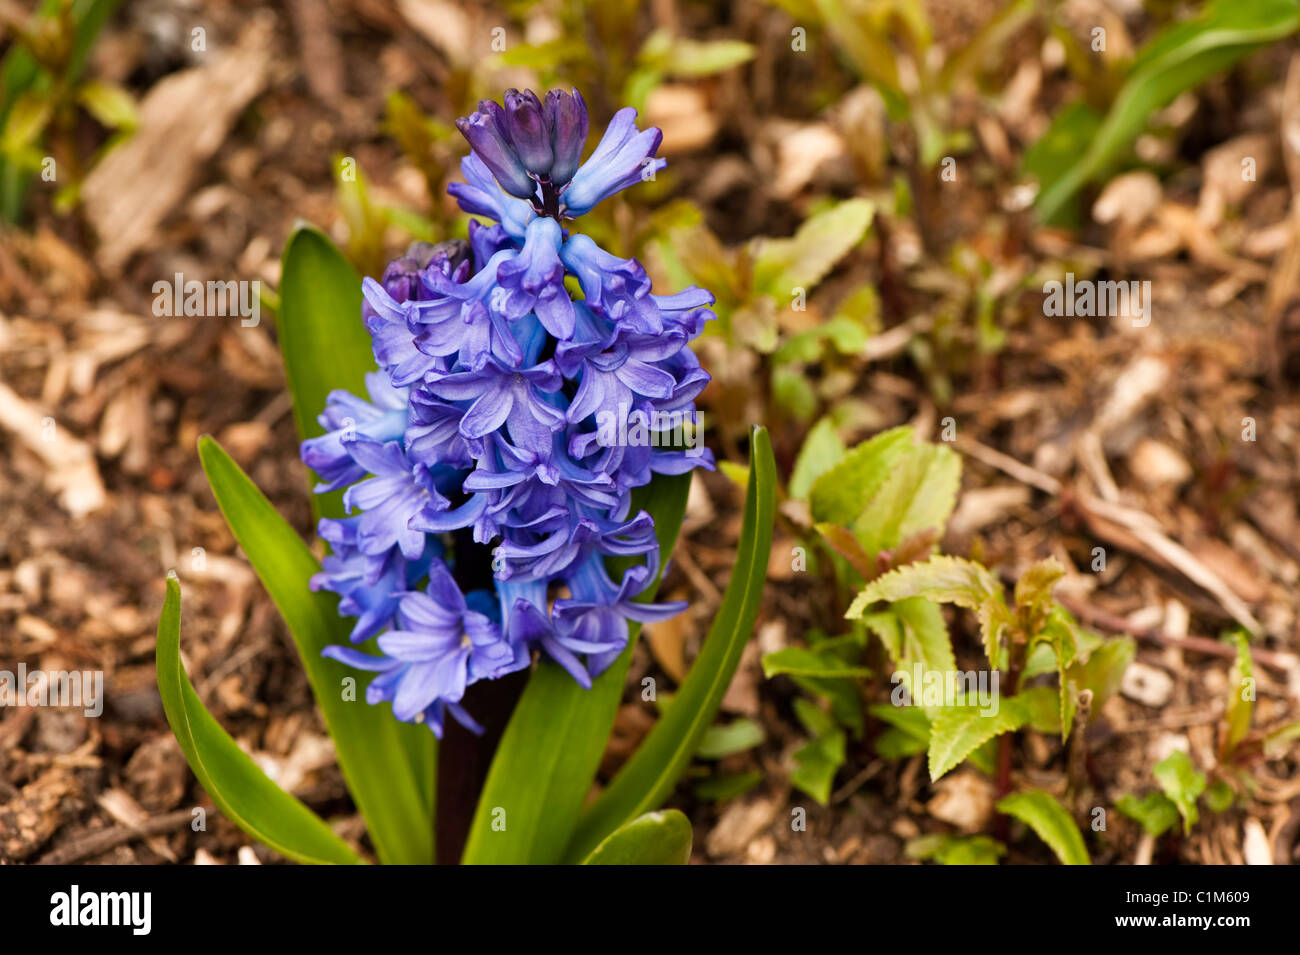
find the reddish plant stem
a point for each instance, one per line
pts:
(464, 760)
(1006, 741)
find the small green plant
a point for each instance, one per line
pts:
(891, 45)
(877, 512)
(721, 742)
(767, 311)
(1085, 143)
(499, 501)
(1183, 787)
(594, 48)
(43, 91)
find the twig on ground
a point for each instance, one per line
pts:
(1283, 662)
(99, 842)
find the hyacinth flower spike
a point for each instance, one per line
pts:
(486, 479)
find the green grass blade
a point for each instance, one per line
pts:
(1177, 60)
(388, 765)
(241, 790)
(657, 838)
(649, 776)
(548, 756)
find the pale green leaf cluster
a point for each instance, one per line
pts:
(956, 850)
(1182, 783)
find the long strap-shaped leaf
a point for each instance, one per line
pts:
(241, 790)
(326, 347)
(388, 765)
(1178, 59)
(657, 838)
(549, 753)
(324, 344)
(649, 776)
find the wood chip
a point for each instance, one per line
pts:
(71, 471)
(184, 120)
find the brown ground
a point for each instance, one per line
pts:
(1150, 418)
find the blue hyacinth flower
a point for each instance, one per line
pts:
(488, 476)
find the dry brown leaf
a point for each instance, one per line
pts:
(184, 118)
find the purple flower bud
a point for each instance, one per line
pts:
(566, 118)
(485, 131)
(528, 132)
(402, 277)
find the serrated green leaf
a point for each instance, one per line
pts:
(1041, 659)
(923, 638)
(841, 494)
(956, 850)
(821, 451)
(1050, 822)
(239, 788)
(888, 629)
(1034, 592)
(946, 580)
(797, 661)
(324, 344)
(389, 766)
(1154, 812)
(957, 731)
(782, 265)
(1241, 695)
(920, 493)
(1178, 59)
(657, 838)
(551, 748)
(1058, 633)
(1183, 783)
